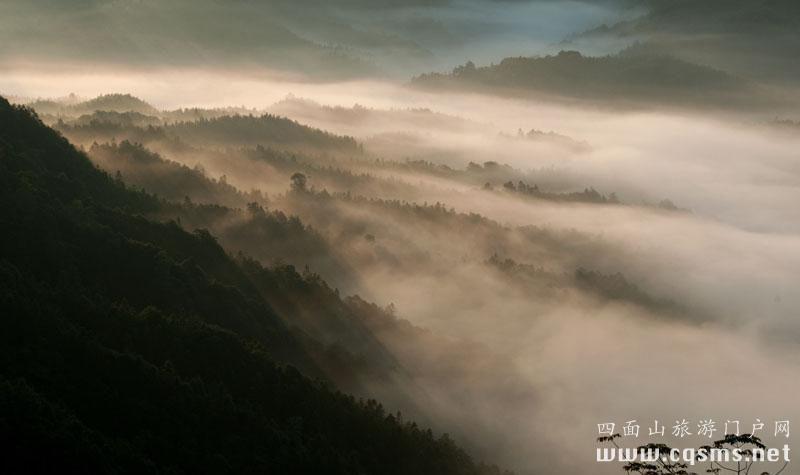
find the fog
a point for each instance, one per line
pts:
(546, 361)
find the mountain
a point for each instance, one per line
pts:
(170, 180)
(625, 78)
(260, 130)
(714, 17)
(109, 103)
(132, 346)
(218, 133)
(751, 38)
(125, 119)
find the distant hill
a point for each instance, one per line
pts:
(172, 181)
(217, 131)
(242, 130)
(631, 79)
(120, 103)
(551, 137)
(361, 118)
(752, 38)
(714, 17)
(116, 103)
(121, 110)
(135, 119)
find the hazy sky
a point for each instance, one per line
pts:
(319, 39)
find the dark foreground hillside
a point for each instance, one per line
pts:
(131, 346)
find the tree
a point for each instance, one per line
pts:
(299, 182)
(659, 463)
(467, 68)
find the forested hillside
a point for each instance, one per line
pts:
(397, 237)
(132, 346)
(224, 131)
(630, 77)
(751, 38)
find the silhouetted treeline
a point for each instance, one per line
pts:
(552, 138)
(170, 180)
(612, 287)
(359, 115)
(135, 119)
(588, 195)
(217, 132)
(334, 173)
(492, 175)
(124, 109)
(239, 130)
(786, 124)
(112, 131)
(119, 103)
(628, 76)
(268, 235)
